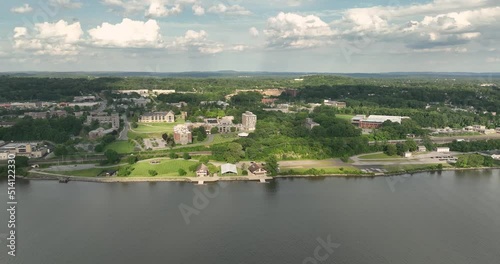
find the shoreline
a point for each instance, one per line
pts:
(190, 180)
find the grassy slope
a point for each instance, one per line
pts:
(121, 147)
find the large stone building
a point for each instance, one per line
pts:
(104, 118)
(182, 135)
(30, 150)
(249, 121)
(158, 117)
(335, 104)
(375, 121)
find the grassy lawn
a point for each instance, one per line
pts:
(326, 170)
(346, 117)
(224, 138)
(377, 156)
(411, 167)
(166, 168)
(86, 172)
(121, 147)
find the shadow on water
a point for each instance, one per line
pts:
(272, 187)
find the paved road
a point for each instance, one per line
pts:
(443, 140)
(123, 134)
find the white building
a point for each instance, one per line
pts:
(249, 121)
(443, 150)
(113, 119)
(158, 117)
(30, 150)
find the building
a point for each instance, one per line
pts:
(310, 123)
(158, 92)
(495, 156)
(158, 117)
(87, 98)
(141, 92)
(249, 121)
(422, 149)
(30, 150)
(335, 104)
(104, 118)
(225, 124)
(202, 171)
(443, 150)
(407, 154)
(257, 170)
(228, 168)
(37, 115)
(375, 121)
(182, 135)
(100, 132)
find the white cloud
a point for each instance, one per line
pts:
(198, 10)
(235, 10)
(127, 34)
(493, 59)
(66, 4)
(293, 30)
(157, 8)
(26, 8)
(58, 39)
(254, 31)
(197, 41)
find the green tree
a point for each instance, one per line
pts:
(390, 150)
(173, 155)
(21, 161)
(272, 166)
(411, 145)
(152, 172)
(186, 156)
(214, 130)
(132, 159)
(182, 172)
(112, 156)
(204, 159)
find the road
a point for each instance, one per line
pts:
(443, 140)
(123, 134)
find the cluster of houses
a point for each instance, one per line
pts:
(254, 169)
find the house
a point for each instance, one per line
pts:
(310, 124)
(228, 168)
(336, 104)
(202, 171)
(422, 149)
(408, 154)
(256, 170)
(101, 117)
(443, 150)
(496, 156)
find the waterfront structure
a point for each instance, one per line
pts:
(25, 149)
(228, 168)
(336, 104)
(310, 124)
(375, 121)
(257, 170)
(100, 132)
(249, 121)
(202, 171)
(158, 117)
(182, 135)
(101, 117)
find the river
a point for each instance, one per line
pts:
(443, 218)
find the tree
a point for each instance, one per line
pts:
(21, 161)
(61, 150)
(132, 159)
(390, 150)
(204, 159)
(153, 173)
(173, 155)
(135, 125)
(272, 166)
(411, 145)
(214, 130)
(182, 172)
(200, 133)
(112, 156)
(186, 156)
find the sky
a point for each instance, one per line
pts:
(250, 35)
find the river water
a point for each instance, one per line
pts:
(449, 217)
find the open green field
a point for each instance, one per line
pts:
(378, 156)
(166, 168)
(148, 130)
(121, 147)
(413, 167)
(346, 117)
